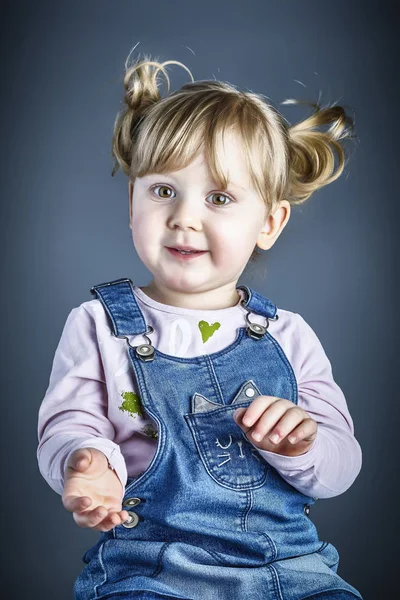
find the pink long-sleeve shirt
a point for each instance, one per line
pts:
(92, 399)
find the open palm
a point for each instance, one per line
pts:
(93, 491)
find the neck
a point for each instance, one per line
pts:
(224, 297)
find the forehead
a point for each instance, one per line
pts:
(231, 160)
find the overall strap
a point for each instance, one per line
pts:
(257, 303)
(120, 303)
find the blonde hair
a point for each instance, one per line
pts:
(163, 134)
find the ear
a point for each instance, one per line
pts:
(274, 225)
(130, 194)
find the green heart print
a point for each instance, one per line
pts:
(208, 330)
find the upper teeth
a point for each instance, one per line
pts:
(186, 251)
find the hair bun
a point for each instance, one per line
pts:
(312, 152)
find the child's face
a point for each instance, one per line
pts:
(185, 208)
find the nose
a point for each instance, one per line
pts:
(186, 214)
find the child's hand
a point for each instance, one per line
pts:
(269, 415)
(93, 491)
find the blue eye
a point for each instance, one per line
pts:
(166, 187)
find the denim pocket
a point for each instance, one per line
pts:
(228, 457)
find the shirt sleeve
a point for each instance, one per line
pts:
(73, 413)
(334, 460)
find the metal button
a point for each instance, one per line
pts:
(249, 392)
(132, 521)
(307, 509)
(131, 502)
(145, 352)
(256, 331)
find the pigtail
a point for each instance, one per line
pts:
(141, 93)
(312, 152)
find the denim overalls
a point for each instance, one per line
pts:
(210, 519)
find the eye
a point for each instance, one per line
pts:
(221, 196)
(165, 187)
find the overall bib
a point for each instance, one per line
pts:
(210, 519)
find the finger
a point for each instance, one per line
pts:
(76, 503)
(108, 522)
(306, 430)
(124, 515)
(268, 418)
(277, 424)
(113, 519)
(254, 411)
(90, 518)
(238, 415)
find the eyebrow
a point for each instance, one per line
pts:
(237, 186)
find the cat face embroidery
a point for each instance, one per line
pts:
(229, 458)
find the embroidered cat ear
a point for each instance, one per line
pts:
(202, 404)
(247, 392)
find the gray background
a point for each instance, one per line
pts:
(64, 228)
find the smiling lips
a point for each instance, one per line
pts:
(186, 255)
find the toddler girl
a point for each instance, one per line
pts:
(192, 421)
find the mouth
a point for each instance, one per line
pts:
(186, 254)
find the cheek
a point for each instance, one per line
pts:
(143, 228)
(237, 240)
(137, 229)
(142, 238)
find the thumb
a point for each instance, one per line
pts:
(80, 459)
